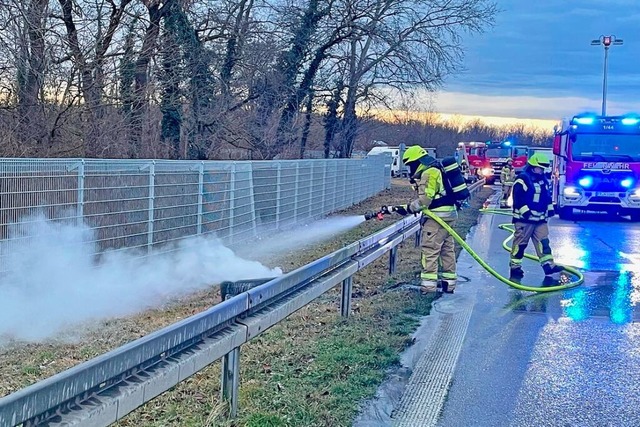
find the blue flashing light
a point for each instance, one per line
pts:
(627, 182)
(630, 121)
(585, 181)
(584, 120)
(507, 143)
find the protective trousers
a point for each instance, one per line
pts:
(438, 249)
(506, 191)
(539, 235)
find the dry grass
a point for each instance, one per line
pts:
(287, 372)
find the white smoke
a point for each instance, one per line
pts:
(299, 236)
(52, 281)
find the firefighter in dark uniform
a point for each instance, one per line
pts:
(532, 207)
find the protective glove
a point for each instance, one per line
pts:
(414, 207)
(402, 210)
(413, 183)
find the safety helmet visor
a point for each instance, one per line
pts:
(413, 153)
(539, 160)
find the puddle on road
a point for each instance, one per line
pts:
(605, 295)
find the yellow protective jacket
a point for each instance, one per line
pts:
(430, 192)
(507, 175)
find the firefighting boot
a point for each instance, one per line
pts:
(551, 269)
(516, 272)
(429, 286)
(448, 286)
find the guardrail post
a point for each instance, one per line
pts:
(393, 255)
(230, 380)
(418, 237)
(345, 300)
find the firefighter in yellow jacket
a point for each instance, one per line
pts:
(437, 244)
(532, 207)
(507, 177)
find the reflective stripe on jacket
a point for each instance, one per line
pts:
(507, 176)
(431, 191)
(531, 198)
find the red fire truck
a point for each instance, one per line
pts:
(470, 152)
(597, 165)
(487, 158)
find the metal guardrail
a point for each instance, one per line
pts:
(476, 186)
(102, 390)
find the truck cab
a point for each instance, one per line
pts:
(597, 165)
(520, 156)
(497, 154)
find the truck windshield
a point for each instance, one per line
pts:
(498, 152)
(606, 147)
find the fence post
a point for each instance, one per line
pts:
(393, 256)
(311, 176)
(80, 207)
(296, 193)
(200, 196)
(152, 192)
(230, 380)
(232, 200)
(278, 195)
(254, 224)
(345, 300)
(325, 165)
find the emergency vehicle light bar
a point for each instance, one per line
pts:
(627, 120)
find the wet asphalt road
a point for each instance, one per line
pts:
(568, 358)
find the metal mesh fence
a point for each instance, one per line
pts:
(147, 205)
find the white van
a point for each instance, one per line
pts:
(395, 156)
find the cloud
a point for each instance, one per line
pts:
(546, 52)
(628, 18)
(583, 11)
(527, 107)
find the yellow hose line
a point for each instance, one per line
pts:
(509, 227)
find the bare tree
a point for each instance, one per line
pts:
(405, 44)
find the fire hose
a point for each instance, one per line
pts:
(579, 278)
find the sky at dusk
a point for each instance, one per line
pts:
(537, 61)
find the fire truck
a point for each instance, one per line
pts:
(597, 165)
(470, 152)
(488, 158)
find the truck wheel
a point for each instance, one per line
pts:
(565, 213)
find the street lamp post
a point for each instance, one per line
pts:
(605, 41)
